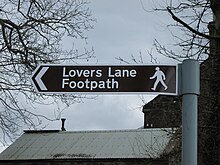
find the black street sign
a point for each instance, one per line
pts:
(155, 79)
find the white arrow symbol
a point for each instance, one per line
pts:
(39, 76)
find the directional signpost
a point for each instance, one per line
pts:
(106, 79)
(156, 79)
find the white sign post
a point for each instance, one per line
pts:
(190, 89)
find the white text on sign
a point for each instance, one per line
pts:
(109, 83)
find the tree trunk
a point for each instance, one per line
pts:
(212, 141)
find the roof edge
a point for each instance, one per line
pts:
(41, 131)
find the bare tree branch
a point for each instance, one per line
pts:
(190, 28)
(32, 32)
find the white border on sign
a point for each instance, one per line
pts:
(108, 93)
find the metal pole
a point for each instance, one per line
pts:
(190, 91)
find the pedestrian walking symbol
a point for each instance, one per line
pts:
(160, 77)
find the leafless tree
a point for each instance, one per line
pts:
(32, 32)
(189, 29)
(196, 31)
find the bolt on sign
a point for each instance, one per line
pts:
(154, 79)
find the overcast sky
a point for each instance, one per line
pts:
(123, 29)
